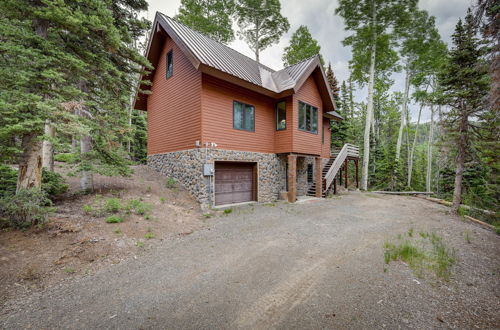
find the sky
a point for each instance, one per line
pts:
(328, 29)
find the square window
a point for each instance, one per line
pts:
(308, 118)
(243, 116)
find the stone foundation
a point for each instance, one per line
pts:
(186, 167)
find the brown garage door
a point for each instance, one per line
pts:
(234, 182)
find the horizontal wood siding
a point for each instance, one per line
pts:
(283, 139)
(217, 117)
(325, 153)
(174, 107)
(305, 142)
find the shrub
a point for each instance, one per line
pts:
(114, 219)
(113, 205)
(171, 183)
(8, 180)
(53, 183)
(228, 211)
(149, 235)
(87, 209)
(66, 158)
(27, 208)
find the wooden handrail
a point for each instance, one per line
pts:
(348, 150)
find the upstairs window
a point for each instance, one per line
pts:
(281, 116)
(170, 64)
(308, 118)
(243, 116)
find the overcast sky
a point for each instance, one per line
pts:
(328, 29)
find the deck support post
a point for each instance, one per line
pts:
(340, 176)
(292, 178)
(335, 186)
(318, 171)
(357, 173)
(346, 170)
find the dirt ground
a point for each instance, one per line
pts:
(316, 265)
(76, 243)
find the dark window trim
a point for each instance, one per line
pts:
(276, 116)
(171, 53)
(317, 118)
(244, 129)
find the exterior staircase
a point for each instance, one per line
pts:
(333, 166)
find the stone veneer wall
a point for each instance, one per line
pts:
(187, 167)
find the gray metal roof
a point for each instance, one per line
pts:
(228, 60)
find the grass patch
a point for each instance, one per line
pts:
(139, 244)
(113, 205)
(149, 235)
(468, 236)
(208, 215)
(118, 231)
(163, 200)
(171, 183)
(270, 204)
(425, 255)
(114, 219)
(70, 270)
(228, 211)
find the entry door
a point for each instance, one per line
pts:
(234, 182)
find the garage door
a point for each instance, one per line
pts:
(234, 182)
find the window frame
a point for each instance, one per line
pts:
(244, 116)
(277, 121)
(310, 173)
(171, 54)
(310, 111)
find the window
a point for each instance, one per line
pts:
(308, 118)
(170, 64)
(243, 116)
(309, 173)
(281, 116)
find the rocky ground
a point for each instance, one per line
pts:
(304, 266)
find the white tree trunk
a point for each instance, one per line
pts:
(404, 109)
(412, 151)
(87, 180)
(30, 166)
(369, 109)
(48, 147)
(429, 152)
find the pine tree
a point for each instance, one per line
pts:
(210, 17)
(332, 82)
(302, 46)
(261, 23)
(464, 86)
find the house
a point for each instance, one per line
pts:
(233, 130)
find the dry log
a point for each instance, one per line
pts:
(404, 192)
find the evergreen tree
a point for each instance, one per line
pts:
(261, 23)
(464, 86)
(332, 82)
(302, 46)
(210, 17)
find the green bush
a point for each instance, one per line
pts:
(27, 208)
(113, 205)
(53, 183)
(114, 219)
(66, 158)
(8, 180)
(171, 183)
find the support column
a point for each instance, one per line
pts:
(346, 164)
(318, 171)
(292, 178)
(357, 173)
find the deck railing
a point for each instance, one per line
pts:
(348, 150)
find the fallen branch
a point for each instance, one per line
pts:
(466, 207)
(480, 222)
(404, 192)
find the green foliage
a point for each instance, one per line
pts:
(210, 17)
(66, 158)
(228, 211)
(114, 219)
(171, 183)
(302, 46)
(53, 184)
(88, 209)
(8, 180)
(27, 208)
(271, 25)
(113, 205)
(139, 137)
(139, 244)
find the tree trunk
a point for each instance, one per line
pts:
(462, 145)
(404, 109)
(48, 147)
(369, 110)
(87, 180)
(30, 166)
(429, 152)
(412, 151)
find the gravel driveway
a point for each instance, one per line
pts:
(313, 265)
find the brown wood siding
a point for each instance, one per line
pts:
(305, 142)
(325, 153)
(283, 139)
(174, 107)
(217, 117)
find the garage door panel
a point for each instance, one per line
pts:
(234, 182)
